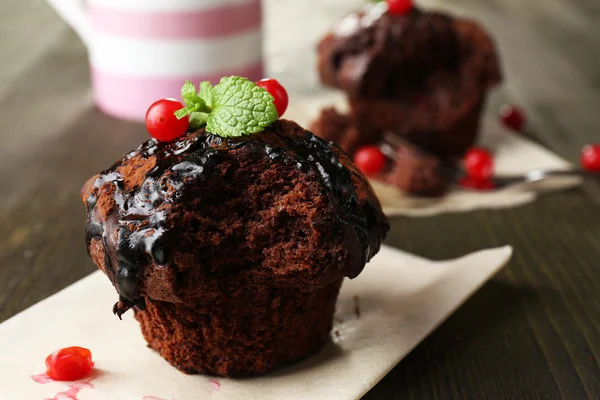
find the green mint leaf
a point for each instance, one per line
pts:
(206, 92)
(198, 120)
(240, 107)
(191, 99)
(199, 106)
(182, 112)
(188, 94)
(193, 102)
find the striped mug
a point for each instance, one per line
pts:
(143, 50)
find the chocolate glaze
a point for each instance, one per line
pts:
(139, 217)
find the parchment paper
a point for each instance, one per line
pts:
(382, 315)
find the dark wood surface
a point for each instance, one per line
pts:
(533, 332)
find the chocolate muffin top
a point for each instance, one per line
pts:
(172, 220)
(374, 54)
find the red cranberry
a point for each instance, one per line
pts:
(69, 364)
(399, 7)
(161, 122)
(278, 92)
(590, 157)
(479, 163)
(370, 160)
(512, 117)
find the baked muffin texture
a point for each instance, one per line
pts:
(233, 251)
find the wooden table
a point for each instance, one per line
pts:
(533, 332)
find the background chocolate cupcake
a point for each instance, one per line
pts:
(421, 75)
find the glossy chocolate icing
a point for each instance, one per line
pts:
(133, 235)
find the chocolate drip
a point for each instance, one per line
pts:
(139, 216)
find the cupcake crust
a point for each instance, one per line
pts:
(248, 330)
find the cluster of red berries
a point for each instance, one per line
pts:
(478, 163)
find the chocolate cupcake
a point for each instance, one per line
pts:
(422, 75)
(232, 250)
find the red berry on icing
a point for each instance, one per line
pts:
(512, 117)
(590, 157)
(479, 163)
(278, 92)
(69, 364)
(161, 122)
(399, 7)
(370, 160)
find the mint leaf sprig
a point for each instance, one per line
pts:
(195, 106)
(234, 107)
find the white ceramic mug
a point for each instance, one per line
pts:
(144, 50)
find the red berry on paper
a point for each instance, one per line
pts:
(512, 117)
(278, 92)
(479, 163)
(590, 157)
(399, 7)
(69, 364)
(370, 160)
(161, 122)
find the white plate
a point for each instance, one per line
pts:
(402, 298)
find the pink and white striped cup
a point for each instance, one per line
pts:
(143, 50)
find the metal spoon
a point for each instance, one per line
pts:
(543, 179)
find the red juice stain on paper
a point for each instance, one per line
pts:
(41, 378)
(215, 384)
(73, 391)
